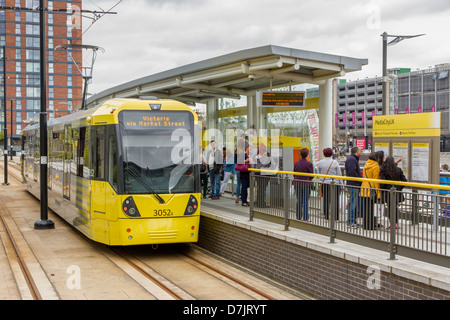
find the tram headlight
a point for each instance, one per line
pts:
(191, 206)
(130, 208)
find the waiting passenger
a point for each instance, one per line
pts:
(214, 160)
(263, 161)
(328, 166)
(390, 171)
(228, 170)
(243, 158)
(369, 190)
(238, 154)
(352, 169)
(445, 180)
(302, 185)
(203, 174)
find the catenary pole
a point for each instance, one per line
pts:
(5, 130)
(11, 136)
(44, 222)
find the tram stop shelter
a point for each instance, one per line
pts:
(243, 73)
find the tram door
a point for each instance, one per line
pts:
(67, 161)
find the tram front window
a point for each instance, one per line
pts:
(157, 158)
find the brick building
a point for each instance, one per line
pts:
(19, 32)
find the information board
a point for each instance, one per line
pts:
(401, 150)
(381, 146)
(280, 99)
(420, 161)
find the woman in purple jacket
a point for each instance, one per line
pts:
(303, 184)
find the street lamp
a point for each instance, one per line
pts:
(348, 141)
(385, 77)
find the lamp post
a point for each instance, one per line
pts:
(348, 141)
(385, 76)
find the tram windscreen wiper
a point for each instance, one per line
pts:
(137, 178)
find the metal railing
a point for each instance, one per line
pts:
(417, 217)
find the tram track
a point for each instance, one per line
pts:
(230, 277)
(144, 270)
(164, 268)
(15, 256)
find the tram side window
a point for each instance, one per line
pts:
(36, 147)
(100, 153)
(112, 159)
(79, 149)
(57, 150)
(87, 154)
(75, 148)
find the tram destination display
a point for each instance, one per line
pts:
(155, 120)
(280, 99)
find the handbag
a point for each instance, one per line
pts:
(242, 167)
(320, 185)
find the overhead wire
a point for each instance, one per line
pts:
(98, 16)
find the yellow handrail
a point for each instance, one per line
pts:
(400, 183)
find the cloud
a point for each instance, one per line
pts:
(147, 37)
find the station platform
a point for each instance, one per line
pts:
(347, 270)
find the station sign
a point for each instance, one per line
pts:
(408, 125)
(138, 119)
(290, 99)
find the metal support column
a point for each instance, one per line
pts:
(325, 116)
(392, 207)
(5, 129)
(385, 77)
(44, 222)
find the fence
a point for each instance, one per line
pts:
(417, 217)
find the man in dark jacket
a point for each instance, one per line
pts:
(302, 185)
(352, 169)
(214, 159)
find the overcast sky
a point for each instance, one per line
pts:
(150, 36)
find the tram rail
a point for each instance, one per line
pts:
(242, 283)
(10, 241)
(143, 270)
(177, 292)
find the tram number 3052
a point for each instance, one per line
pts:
(162, 213)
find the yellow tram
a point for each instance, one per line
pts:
(123, 173)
